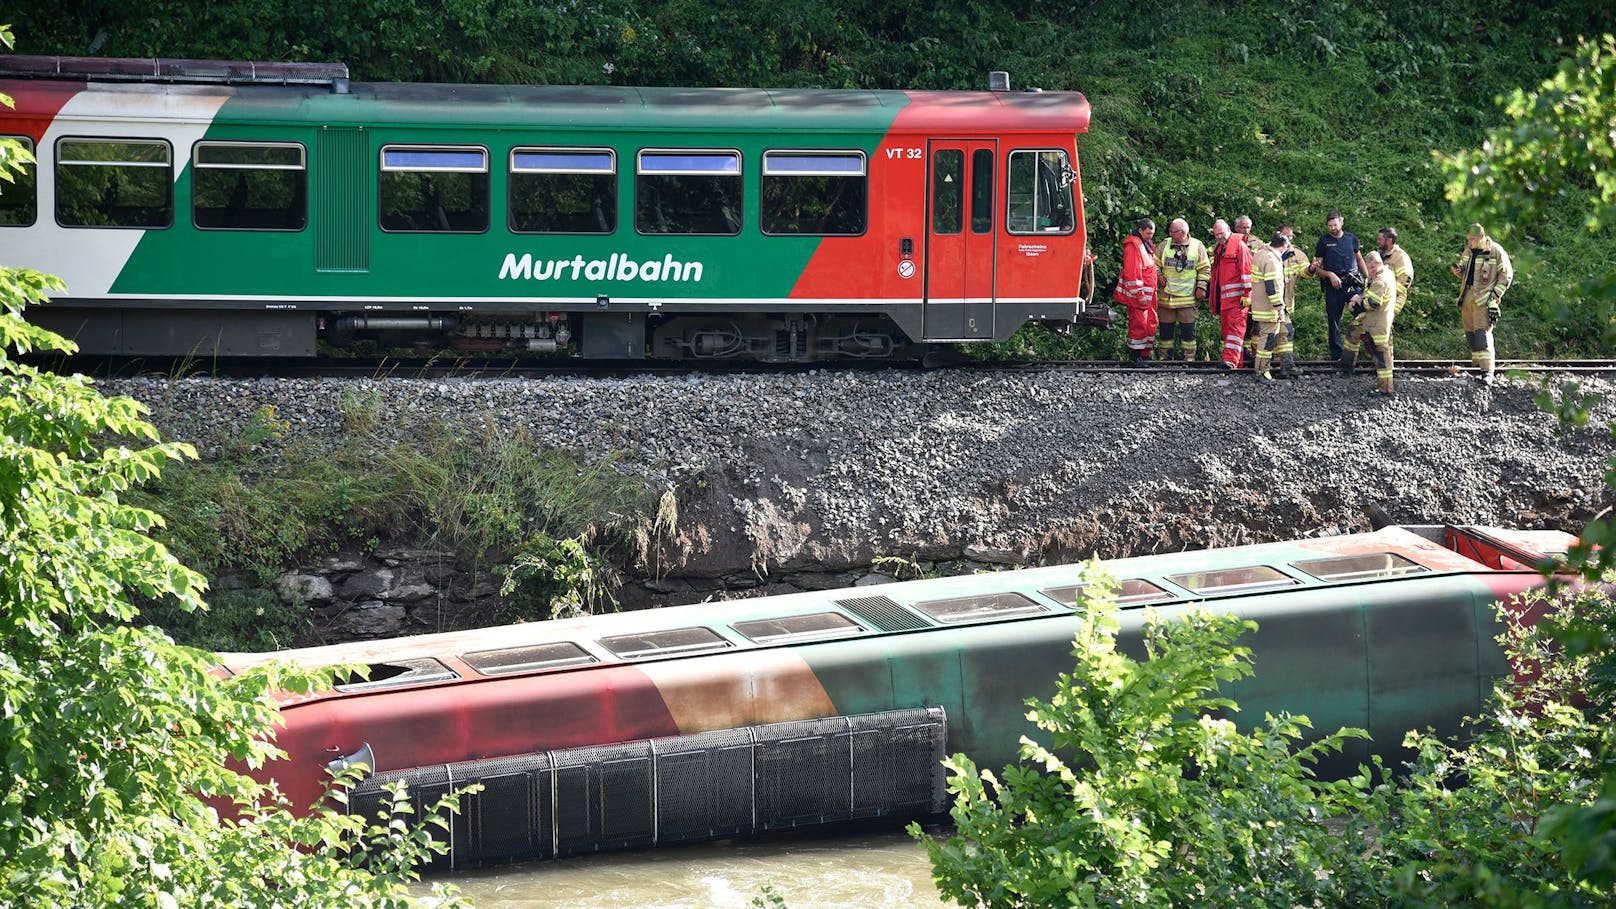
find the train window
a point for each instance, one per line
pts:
(814, 193)
(114, 183)
(1360, 567)
(813, 627)
(1131, 592)
(433, 189)
(1234, 580)
(19, 202)
(688, 192)
(982, 191)
(563, 191)
(396, 673)
(661, 643)
(1039, 200)
(557, 655)
(984, 606)
(249, 186)
(947, 191)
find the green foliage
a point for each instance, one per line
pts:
(1145, 793)
(269, 502)
(1514, 815)
(554, 579)
(116, 745)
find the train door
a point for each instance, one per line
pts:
(959, 240)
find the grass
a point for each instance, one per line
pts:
(493, 497)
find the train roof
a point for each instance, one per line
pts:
(300, 93)
(1398, 551)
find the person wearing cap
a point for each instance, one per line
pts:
(1485, 273)
(1338, 261)
(1136, 290)
(1185, 271)
(1230, 297)
(1267, 305)
(1373, 310)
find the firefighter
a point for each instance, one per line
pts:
(1295, 262)
(1397, 260)
(1230, 294)
(1267, 305)
(1373, 310)
(1242, 226)
(1184, 271)
(1485, 273)
(1136, 289)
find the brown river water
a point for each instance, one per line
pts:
(848, 871)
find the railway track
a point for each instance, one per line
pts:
(479, 368)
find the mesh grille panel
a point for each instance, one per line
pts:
(883, 613)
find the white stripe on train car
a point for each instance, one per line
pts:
(90, 259)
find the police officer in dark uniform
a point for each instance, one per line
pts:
(1338, 262)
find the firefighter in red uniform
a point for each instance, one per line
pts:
(1136, 289)
(1230, 298)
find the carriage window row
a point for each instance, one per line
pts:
(826, 625)
(104, 182)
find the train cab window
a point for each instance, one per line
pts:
(813, 627)
(1360, 567)
(982, 191)
(1039, 200)
(396, 674)
(688, 192)
(249, 186)
(947, 191)
(563, 191)
(19, 199)
(433, 189)
(986, 606)
(814, 193)
(1131, 592)
(114, 183)
(664, 643)
(557, 655)
(1234, 580)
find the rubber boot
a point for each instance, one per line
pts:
(1347, 363)
(1386, 387)
(1287, 367)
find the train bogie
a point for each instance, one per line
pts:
(615, 222)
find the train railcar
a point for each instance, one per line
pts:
(721, 718)
(211, 208)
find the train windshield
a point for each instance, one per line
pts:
(1040, 196)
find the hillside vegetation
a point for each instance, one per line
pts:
(1282, 110)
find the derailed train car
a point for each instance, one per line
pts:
(725, 718)
(216, 208)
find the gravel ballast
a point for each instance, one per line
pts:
(826, 471)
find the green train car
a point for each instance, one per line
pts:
(716, 719)
(214, 208)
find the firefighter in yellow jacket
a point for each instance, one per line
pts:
(1485, 273)
(1184, 271)
(1396, 259)
(1373, 311)
(1267, 304)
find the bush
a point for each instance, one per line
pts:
(1144, 795)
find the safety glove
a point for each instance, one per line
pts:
(1493, 313)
